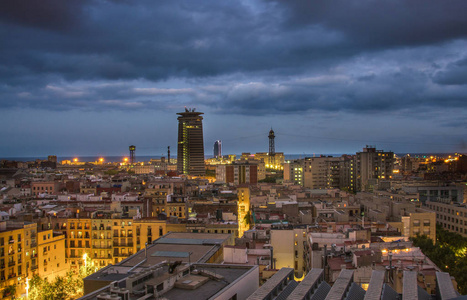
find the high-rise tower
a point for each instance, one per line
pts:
(190, 153)
(272, 151)
(218, 149)
(132, 154)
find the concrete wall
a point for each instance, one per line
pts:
(243, 287)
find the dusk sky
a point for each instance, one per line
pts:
(84, 77)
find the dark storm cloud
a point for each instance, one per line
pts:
(454, 74)
(293, 56)
(49, 14)
(377, 23)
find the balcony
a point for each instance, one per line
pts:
(34, 267)
(130, 244)
(121, 255)
(11, 275)
(12, 241)
(102, 247)
(34, 255)
(33, 244)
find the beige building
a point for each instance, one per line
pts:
(279, 160)
(45, 187)
(50, 250)
(421, 222)
(25, 252)
(373, 165)
(288, 246)
(243, 194)
(453, 217)
(106, 240)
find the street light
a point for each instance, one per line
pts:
(189, 262)
(85, 256)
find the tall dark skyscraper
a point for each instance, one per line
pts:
(218, 148)
(190, 154)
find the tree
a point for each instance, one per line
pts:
(448, 253)
(10, 290)
(66, 287)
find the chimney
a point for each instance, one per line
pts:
(146, 251)
(168, 155)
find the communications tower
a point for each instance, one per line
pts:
(272, 151)
(132, 154)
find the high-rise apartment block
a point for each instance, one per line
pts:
(373, 165)
(218, 149)
(190, 154)
(360, 172)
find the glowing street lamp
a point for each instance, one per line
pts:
(125, 159)
(85, 257)
(101, 160)
(75, 160)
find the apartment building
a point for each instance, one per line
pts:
(25, 252)
(373, 165)
(45, 187)
(453, 217)
(237, 173)
(105, 238)
(50, 259)
(293, 172)
(288, 247)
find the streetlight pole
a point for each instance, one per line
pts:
(189, 262)
(85, 256)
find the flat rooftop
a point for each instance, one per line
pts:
(158, 253)
(210, 287)
(197, 236)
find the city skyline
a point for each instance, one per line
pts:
(329, 77)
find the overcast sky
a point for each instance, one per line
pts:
(85, 77)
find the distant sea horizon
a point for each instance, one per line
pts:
(145, 158)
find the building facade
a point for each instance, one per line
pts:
(237, 173)
(218, 149)
(190, 154)
(373, 165)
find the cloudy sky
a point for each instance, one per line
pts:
(91, 77)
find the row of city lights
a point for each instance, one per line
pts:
(101, 160)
